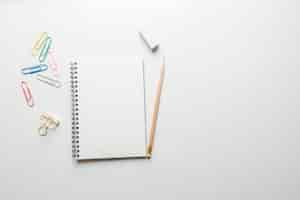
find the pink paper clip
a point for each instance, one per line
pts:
(27, 94)
(52, 62)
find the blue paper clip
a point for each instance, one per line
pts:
(44, 52)
(34, 69)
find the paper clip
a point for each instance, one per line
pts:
(39, 42)
(34, 69)
(49, 81)
(44, 52)
(27, 94)
(47, 122)
(52, 63)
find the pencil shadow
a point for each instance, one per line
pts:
(110, 159)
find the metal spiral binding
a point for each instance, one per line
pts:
(75, 109)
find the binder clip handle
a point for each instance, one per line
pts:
(43, 130)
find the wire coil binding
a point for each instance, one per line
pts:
(75, 110)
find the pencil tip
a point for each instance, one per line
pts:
(148, 156)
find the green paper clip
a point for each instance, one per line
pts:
(44, 52)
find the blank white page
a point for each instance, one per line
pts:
(111, 108)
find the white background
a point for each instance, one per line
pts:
(229, 119)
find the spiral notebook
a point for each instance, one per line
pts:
(108, 108)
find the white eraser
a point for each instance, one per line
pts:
(149, 43)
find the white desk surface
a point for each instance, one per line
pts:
(229, 119)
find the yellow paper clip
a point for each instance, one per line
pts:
(47, 122)
(38, 44)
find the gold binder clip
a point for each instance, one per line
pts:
(47, 122)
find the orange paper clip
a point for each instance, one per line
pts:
(27, 94)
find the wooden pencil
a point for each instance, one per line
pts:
(156, 109)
